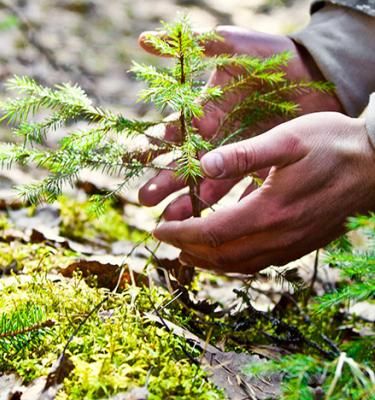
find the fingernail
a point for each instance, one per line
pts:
(213, 164)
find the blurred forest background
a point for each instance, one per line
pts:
(92, 42)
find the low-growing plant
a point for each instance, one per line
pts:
(350, 374)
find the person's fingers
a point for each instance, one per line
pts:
(227, 224)
(159, 187)
(172, 132)
(210, 193)
(236, 40)
(212, 47)
(250, 254)
(145, 43)
(277, 250)
(247, 247)
(227, 43)
(277, 147)
(231, 40)
(240, 250)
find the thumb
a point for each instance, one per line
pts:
(231, 40)
(224, 44)
(277, 147)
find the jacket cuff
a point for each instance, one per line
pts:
(370, 119)
(340, 41)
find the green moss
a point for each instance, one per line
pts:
(4, 222)
(117, 349)
(79, 222)
(33, 257)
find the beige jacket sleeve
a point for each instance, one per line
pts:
(363, 6)
(342, 43)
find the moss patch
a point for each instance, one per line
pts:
(33, 257)
(79, 222)
(116, 350)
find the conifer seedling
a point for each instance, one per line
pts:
(265, 92)
(179, 89)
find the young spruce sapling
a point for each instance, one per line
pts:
(180, 88)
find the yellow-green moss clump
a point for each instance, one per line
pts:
(4, 222)
(117, 349)
(79, 222)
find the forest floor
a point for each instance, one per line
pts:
(92, 307)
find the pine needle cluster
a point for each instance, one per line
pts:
(21, 328)
(310, 378)
(356, 266)
(179, 88)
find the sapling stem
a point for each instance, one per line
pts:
(194, 185)
(179, 88)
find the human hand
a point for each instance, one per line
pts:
(235, 41)
(322, 171)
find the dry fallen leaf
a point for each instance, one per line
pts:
(107, 275)
(183, 274)
(62, 368)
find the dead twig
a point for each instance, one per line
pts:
(42, 325)
(313, 278)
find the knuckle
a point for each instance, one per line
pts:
(209, 237)
(245, 157)
(292, 143)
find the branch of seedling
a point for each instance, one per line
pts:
(262, 85)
